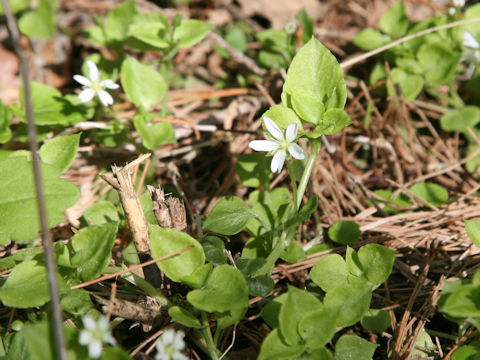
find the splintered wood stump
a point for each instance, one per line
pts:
(170, 212)
(137, 222)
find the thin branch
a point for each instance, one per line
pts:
(60, 347)
(360, 58)
(130, 269)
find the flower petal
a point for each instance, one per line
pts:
(469, 40)
(89, 322)
(105, 97)
(296, 151)
(459, 3)
(179, 356)
(263, 145)
(82, 80)
(86, 95)
(95, 349)
(85, 337)
(277, 161)
(93, 71)
(291, 133)
(470, 71)
(273, 128)
(109, 84)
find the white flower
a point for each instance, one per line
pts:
(290, 28)
(458, 4)
(280, 143)
(95, 334)
(471, 55)
(93, 86)
(170, 345)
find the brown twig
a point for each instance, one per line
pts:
(130, 269)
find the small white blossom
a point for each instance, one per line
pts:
(290, 28)
(471, 55)
(93, 86)
(96, 333)
(170, 346)
(458, 4)
(280, 143)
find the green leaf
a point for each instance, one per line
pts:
(46, 108)
(376, 320)
(5, 120)
(354, 347)
(226, 290)
(439, 62)
(272, 60)
(229, 216)
(315, 73)
(92, 249)
(273, 348)
(318, 327)
(214, 249)
(376, 262)
(333, 121)
(467, 352)
(118, 21)
(253, 170)
(154, 135)
(20, 256)
(115, 353)
(472, 227)
(411, 85)
(463, 302)
(271, 311)
(345, 232)
(190, 32)
(77, 302)
(270, 206)
(282, 116)
(144, 86)
(199, 277)
(228, 318)
(308, 26)
(16, 5)
(351, 300)
(460, 119)
(184, 317)
(370, 39)
(394, 21)
(166, 241)
(401, 200)
(60, 151)
(18, 205)
(39, 22)
(151, 28)
(27, 286)
(260, 285)
(433, 193)
(329, 272)
(236, 38)
(298, 304)
(100, 213)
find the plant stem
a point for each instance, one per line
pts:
(455, 97)
(302, 186)
(293, 178)
(56, 316)
(207, 335)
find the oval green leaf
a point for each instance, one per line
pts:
(166, 241)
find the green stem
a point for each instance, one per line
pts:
(207, 335)
(293, 178)
(302, 186)
(448, 99)
(275, 254)
(455, 97)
